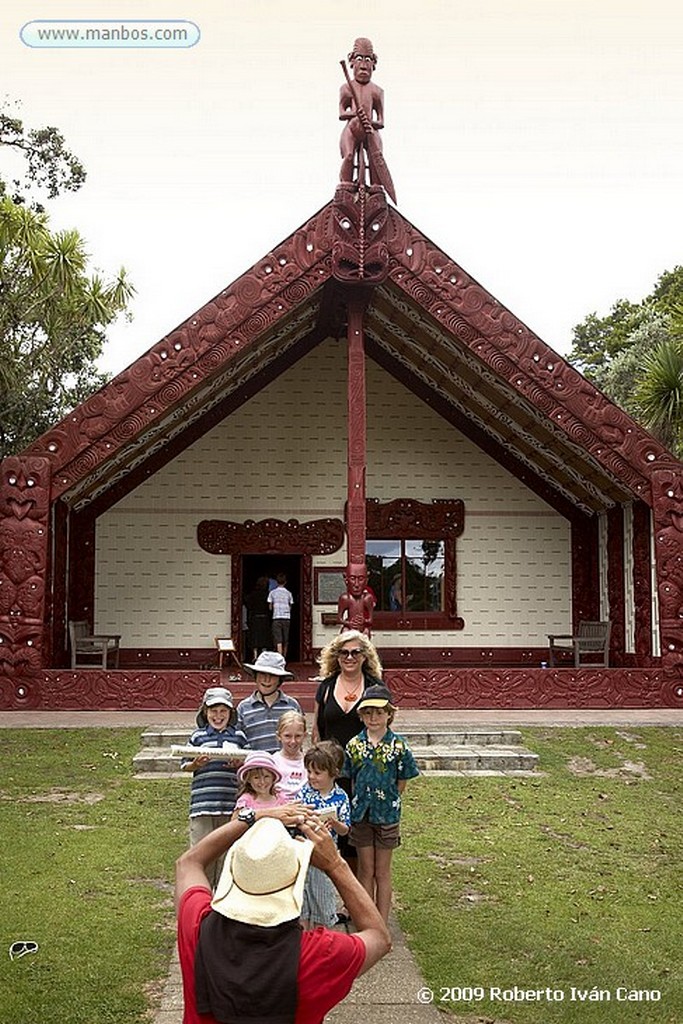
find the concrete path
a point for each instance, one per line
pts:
(434, 719)
(389, 992)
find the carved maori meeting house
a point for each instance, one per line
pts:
(355, 399)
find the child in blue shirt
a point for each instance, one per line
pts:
(379, 763)
(323, 763)
(214, 783)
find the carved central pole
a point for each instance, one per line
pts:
(357, 448)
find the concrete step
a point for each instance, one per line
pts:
(415, 737)
(469, 752)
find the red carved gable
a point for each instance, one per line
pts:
(429, 324)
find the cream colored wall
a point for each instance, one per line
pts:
(283, 454)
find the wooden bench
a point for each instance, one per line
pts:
(590, 645)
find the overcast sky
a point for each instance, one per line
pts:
(538, 142)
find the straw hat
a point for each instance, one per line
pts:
(263, 877)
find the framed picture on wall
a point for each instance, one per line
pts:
(328, 585)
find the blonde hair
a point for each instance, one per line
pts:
(329, 656)
(290, 718)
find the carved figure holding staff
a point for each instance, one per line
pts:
(361, 105)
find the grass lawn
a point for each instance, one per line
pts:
(555, 898)
(569, 881)
(86, 865)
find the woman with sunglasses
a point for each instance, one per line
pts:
(348, 665)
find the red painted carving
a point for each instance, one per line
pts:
(445, 291)
(24, 537)
(307, 608)
(359, 250)
(189, 356)
(615, 560)
(531, 688)
(271, 536)
(667, 491)
(442, 517)
(642, 580)
(236, 592)
(96, 689)
(361, 106)
(585, 575)
(355, 607)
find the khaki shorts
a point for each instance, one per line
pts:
(386, 837)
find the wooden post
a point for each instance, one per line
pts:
(357, 447)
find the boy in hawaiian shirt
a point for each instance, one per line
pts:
(379, 763)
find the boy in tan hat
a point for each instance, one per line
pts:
(379, 763)
(258, 715)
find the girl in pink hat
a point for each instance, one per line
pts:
(259, 776)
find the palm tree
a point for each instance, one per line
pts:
(660, 390)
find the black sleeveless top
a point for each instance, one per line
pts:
(333, 722)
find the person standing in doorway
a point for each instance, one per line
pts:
(281, 601)
(258, 617)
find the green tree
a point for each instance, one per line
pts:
(53, 317)
(599, 340)
(49, 165)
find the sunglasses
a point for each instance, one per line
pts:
(21, 948)
(357, 652)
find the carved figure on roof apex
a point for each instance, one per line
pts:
(361, 106)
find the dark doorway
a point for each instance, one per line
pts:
(254, 566)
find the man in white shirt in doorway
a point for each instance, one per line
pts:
(281, 601)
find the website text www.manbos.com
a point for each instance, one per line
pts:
(88, 34)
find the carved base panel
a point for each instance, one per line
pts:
(534, 688)
(139, 690)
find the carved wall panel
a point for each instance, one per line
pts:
(531, 688)
(585, 576)
(615, 554)
(24, 547)
(271, 536)
(642, 580)
(425, 689)
(442, 517)
(667, 489)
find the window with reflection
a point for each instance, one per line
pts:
(407, 575)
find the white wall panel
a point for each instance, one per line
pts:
(283, 454)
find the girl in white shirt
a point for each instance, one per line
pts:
(291, 732)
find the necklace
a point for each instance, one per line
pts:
(351, 696)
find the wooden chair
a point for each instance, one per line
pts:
(590, 646)
(89, 650)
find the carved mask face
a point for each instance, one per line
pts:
(362, 68)
(356, 579)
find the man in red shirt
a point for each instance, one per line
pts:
(243, 954)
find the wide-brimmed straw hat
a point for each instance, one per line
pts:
(376, 697)
(259, 759)
(271, 662)
(262, 881)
